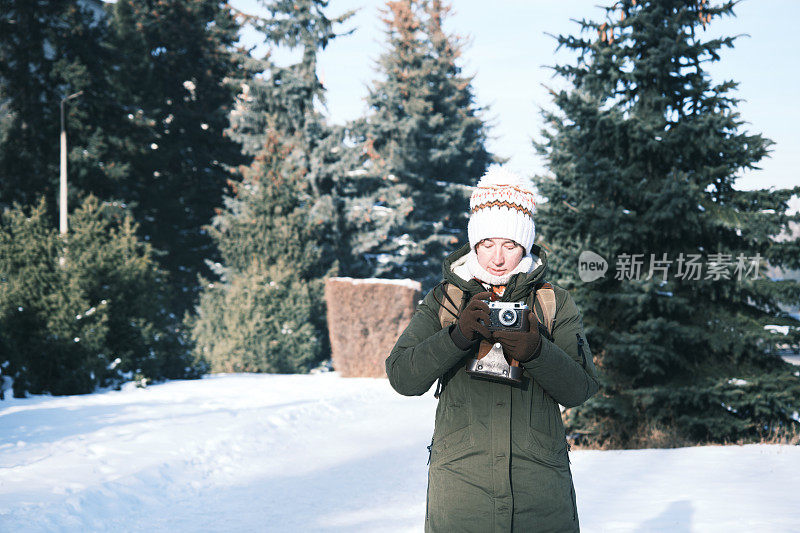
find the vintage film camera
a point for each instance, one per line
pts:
(509, 316)
(491, 362)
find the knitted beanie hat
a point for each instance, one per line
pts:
(502, 206)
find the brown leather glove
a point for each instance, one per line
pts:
(472, 321)
(521, 345)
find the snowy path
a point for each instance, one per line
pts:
(311, 453)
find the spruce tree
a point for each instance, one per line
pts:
(266, 313)
(49, 50)
(422, 146)
(290, 100)
(644, 150)
(279, 232)
(148, 127)
(175, 60)
(86, 310)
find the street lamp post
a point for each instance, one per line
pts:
(63, 191)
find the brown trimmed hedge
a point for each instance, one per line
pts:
(365, 318)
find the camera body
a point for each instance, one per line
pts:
(508, 316)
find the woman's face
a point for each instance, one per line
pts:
(499, 256)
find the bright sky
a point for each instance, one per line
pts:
(508, 53)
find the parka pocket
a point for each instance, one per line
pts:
(451, 415)
(547, 450)
(453, 445)
(453, 431)
(546, 440)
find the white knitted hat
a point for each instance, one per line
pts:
(502, 206)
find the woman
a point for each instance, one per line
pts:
(499, 459)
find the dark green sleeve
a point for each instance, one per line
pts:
(423, 352)
(569, 377)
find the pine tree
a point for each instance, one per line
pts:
(422, 146)
(644, 150)
(84, 311)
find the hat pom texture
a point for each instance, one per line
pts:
(502, 206)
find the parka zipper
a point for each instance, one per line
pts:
(574, 507)
(572, 485)
(580, 349)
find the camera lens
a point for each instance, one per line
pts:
(508, 317)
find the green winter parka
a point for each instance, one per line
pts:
(499, 458)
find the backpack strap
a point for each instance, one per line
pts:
(451, 303)
(449, 309)
(546, 296)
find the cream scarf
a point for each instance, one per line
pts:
(467, 267)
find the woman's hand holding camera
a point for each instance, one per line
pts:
(521, 345)
(472, 322)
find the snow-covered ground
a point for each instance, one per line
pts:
(322, 453)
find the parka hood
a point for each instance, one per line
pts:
(518, 286)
